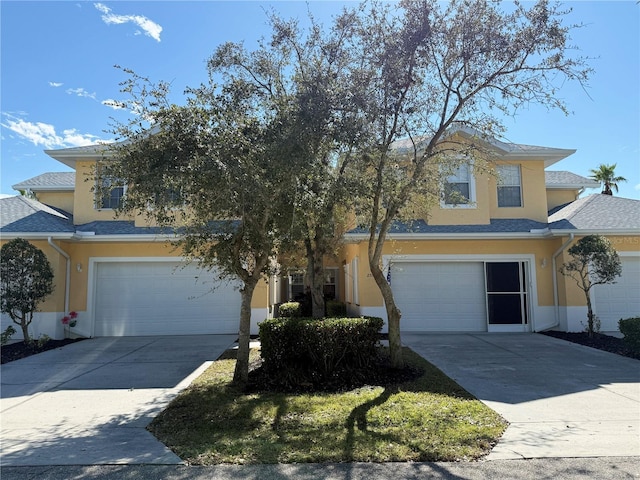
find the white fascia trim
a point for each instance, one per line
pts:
(123, 238)
(567, 186)
(37, 236)
(358, 237)
(40, 188)
(577, 232)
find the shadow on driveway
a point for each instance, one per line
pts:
(90, 402)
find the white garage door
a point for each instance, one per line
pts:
(162, 298)
(440, 296)
(620, 299)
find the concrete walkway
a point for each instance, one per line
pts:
(561, 399)
(608, 468)
(89, 402)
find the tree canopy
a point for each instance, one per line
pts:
(606, 175)
(361, 116)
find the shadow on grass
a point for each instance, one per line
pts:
(430, 418)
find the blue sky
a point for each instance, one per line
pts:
(58, 75)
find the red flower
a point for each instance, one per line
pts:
(73, 315)
(65, 320)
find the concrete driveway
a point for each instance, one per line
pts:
(89, 402)
(561, 399)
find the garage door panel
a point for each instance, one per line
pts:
(162, 298)
(621, 299)
(440, 296)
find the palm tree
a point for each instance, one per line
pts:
(606, 175)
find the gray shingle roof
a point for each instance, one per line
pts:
(49, 181)
(502, 225)
(23, 215)
(121, 227)
(598, 212)
(564, 179)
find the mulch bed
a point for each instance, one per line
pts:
(16, 351)
(599, 341)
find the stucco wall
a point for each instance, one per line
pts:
(556, 198)
(62, 200)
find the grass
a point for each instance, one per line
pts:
(428, 419)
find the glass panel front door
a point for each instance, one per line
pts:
(507, 302)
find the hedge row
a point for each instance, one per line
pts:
(630, 328)
(302, 351)
(334, 309)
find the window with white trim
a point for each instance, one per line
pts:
(112, 192)
(459, 188)
(509, 186)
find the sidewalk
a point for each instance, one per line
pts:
(610, 468)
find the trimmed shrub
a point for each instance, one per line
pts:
(336, 309)
(305, 352)
(289, 309)
(630, 328)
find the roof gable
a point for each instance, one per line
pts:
(51, 181)
(23, 215)
(568, 180)
(598, 212)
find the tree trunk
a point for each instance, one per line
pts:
(24, 323)
(590, 319)
(241, 372)
(315, 276)
(393, 314)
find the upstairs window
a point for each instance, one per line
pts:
(112, 194)
(509, 186)
(459, 187)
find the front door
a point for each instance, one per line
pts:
(507, 296)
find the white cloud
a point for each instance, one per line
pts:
(149, 27)
(44, 134)
(55, 84)
(81, 92)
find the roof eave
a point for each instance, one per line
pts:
(45, 188)
(37, 235)
(566, 186)
(591, 231)
(358, 237)
(90, 237)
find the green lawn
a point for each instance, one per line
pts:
(429, 419)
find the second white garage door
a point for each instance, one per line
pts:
(621, 299)
(440, 296)
(161, 298)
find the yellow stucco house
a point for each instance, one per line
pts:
(490, 264)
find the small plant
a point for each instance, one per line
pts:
(6, 335)
(630, 328)
(70, 320)
(42, 341)
(595, 324)
(290, 309)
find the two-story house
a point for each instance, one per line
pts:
(489, 264)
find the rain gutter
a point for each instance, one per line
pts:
(556, 303)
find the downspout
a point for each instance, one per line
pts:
(556, 302)
(67, 280)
